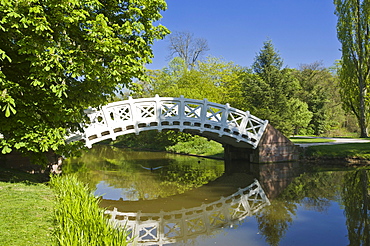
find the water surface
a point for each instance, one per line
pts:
(167, 199)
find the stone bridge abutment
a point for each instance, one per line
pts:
(272, 147)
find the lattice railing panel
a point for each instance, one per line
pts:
(217, 218)
(238, 210)
(172, 229)
(146, 110)
(193, 111)
(98, 119)
(170, 110)
(234, 119)
(121, 113)
(253, 126)
(214, 114)
(148, 233)
(195, 225)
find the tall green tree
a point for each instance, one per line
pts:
(270, 89)
(59, 57)
(319, 89)
(353, 29)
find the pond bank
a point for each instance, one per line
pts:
(344, 152)
(336, 161)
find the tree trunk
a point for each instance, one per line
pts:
(362, 109)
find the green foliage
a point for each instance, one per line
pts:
(171, 141)
(353, 32)
(182, 178)
(301, 116)
(269, 92)
(207, 79)
(153, 140)
(79, 219)
(319, 89)
(58, 58)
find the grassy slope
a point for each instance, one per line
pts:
(26, 210)
(352, 150)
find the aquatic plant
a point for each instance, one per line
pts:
(79, 219)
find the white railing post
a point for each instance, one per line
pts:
(158, 109)
(182, 109)
(135, 114)
(203, 114)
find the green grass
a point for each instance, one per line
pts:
(26, 210)
(310, 140)
(63, 213)
(352, 150)
(198, 146)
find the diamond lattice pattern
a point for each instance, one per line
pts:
(192, 110)
(214, 114)
(146, 110)
(170, 110)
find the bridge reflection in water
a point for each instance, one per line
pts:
(182, 225)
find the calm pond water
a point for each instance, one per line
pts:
(166, 199)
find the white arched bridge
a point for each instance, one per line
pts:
(214, 121)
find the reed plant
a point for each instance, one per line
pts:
(79, 219)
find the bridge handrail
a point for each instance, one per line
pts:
(159, 113)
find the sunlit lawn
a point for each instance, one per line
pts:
(352, 150)
(310, 140)
(26, 211)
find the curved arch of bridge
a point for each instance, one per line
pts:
(214, 121)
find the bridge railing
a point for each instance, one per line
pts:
(160, 113)
(169, 227)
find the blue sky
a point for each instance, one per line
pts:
(302, 31)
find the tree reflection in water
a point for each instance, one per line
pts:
(356, 199)
(315, 191)
(289, 190)
(123, 169)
